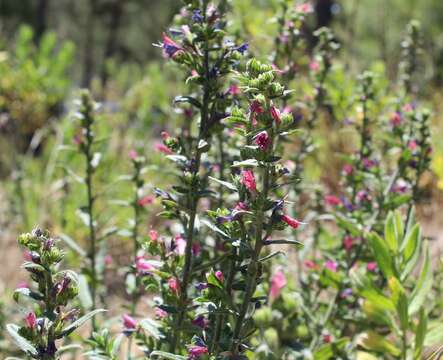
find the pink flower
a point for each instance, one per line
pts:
(294, 223)
(133, 154)
(278, 282)
(153, 235)
(348, 242)
(145, 200)
(327, 338)
(143, 266)
(108, 260)
(332, 200)
(160, 313)
(234, 90)
(331, 265)
(31, 320)
(170, 47)
(196, 249)
(173, 285)
(408, 108)
(314, 66)
(180, 243)
(77, 139)
(348, 169)
(219, 275)
(371, 266)
(22, 285)
(412, 145)
(27, 256)
(241, 206)
(195, 351)
(262, 140)
(162, 148)
(256, 107)
(275, 113)
(310, 264)
(128, 322)
(395, 119)
(248, 180)
(165, 135)
(305, 8)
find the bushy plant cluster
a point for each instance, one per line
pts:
(252, 256)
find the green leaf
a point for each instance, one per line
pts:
(400, 301)
(166, 355)
(26, 292)
(79, 322)
(377, 298)
(224, 183)
(381, 254)
(214, 228)
(348, 225)
(187, 99)
(434, 335)
(423, 286)
(283, 242)
(411, 242)
(391, 234)
(213, 280)
(370, 340)
(20, 341)
(246, 163)
(72, 244)
(420, 334)
(84, 293)
(116, 344)
(152, 327)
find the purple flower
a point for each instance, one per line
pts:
(201, 286)
(129, 322)
(200, 321)
(170, 47)
(197, 16)
(242, 48)
(195, 351)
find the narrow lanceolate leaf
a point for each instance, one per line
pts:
(381, 254)
(246, 163)
(420, 334)
(214, 227)
(21, 342)
(166, 355)
(372, 341)
(84, 293)
(400, 301)
(411, 242)
(79, 322)
(391, 234)
(27, 292)
(352, 227)
(72, 244)
(224, 183)
(283, 242)
(152, 327)
(423, 286)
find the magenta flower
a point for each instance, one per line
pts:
(170, 47)
(332, 200)
(248, 180)
(278, 282)
(412, 145)
(327, 338)
(395, 119)
(165, 135)
(129, 322)
(153, 235)
(348, 169)
(262, 140)
(219, 275)
(180, 243)
(22, 285)
(160, 313)
(256, 107)
(108, 260)
(133, 154)
(305, 8)
(314, 66)
(241, 206)
(275, 113)
(173, 285)
(200, 321)
(348, 242)
(160, 147)
(145, 200)
(196, 249)
(143, 266)
(196, 351)
(310, 264)
(331, 265)
(234, 90)
(371, 266)
(31, 320)
(294, 223)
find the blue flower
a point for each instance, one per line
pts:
(242, 48)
